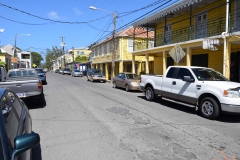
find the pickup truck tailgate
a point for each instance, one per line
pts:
(24, 88)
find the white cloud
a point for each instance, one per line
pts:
(53, 15)
(76, 11)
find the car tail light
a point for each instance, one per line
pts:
(39, 86)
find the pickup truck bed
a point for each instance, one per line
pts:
(25, 87)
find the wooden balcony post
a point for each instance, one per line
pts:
(147, 64)
(133, 64)
(189, 56)
(164, 61)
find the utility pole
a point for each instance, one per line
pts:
(73, 58)
(114, 46)
(63, 45)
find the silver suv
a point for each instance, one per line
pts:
(66, 71)
(95, 75)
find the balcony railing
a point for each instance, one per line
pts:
(211, 22)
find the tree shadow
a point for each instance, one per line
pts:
(32, 103)
(37, 152)
(228, 118)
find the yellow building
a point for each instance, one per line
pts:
(207, 31)
(77, 52)
(5, 57)
(102, 53)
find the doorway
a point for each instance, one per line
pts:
(234, 67)
(200, 60)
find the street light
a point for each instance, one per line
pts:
(114, 38)
(15, 42)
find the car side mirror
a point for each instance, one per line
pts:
(23, 143)
(188, 79)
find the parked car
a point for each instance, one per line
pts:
(60, 71)
(202, 88)
(66, 71)
(16, 136)
(126, 80)
(77, 73)
(25, 83)
(95, 75)
(41, 75)
(57, 71)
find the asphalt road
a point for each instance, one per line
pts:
(93, 121)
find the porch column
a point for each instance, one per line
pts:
(96, 66)
(189, 56)
(164, 61)
(106, 71)
(228, 60)
(101, 67)
(120, 66)
(133, 64)
(147, 64)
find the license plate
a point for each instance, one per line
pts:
(20, 94)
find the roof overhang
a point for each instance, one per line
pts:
(174, 10)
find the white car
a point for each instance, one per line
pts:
(77, 73)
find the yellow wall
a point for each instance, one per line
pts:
(180, 24)
(158, 65)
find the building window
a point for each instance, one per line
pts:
(168, 34)
(25, 56)
(103, 50)
(77, 52)
(236, 16)
(130, 45)
(94, 52)
(201, 25)
(98, 50)
(108, 48)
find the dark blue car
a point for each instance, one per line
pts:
(16, 136)
(41, 75)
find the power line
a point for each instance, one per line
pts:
(51, 19)
(24, 22)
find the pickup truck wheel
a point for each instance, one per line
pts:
(209, 108)
(149, 94)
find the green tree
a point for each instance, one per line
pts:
(52, 54)
(36, 58)
(81, 59)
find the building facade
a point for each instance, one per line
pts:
(207, 31)
(102, 53)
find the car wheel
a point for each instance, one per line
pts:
(149, 94)
(127, 88)
(114, 85)
(209, 108)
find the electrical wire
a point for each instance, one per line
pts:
(51, 19)
(24, 22)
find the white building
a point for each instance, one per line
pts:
(25, 59)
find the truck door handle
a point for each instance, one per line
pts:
(174, 83)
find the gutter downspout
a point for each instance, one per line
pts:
(224, 37)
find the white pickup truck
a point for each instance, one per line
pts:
(203, 88)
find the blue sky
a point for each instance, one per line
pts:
(47, 33)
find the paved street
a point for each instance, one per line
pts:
(92, 121)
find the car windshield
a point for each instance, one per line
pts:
(39, 70)
(76, 71)
(204, 74)
(132, 76)
(97, 71)
(66, 69)
(22, 73)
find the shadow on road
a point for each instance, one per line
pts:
(32, 103)
(131, 91)
(228, 118)
(37, 152)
